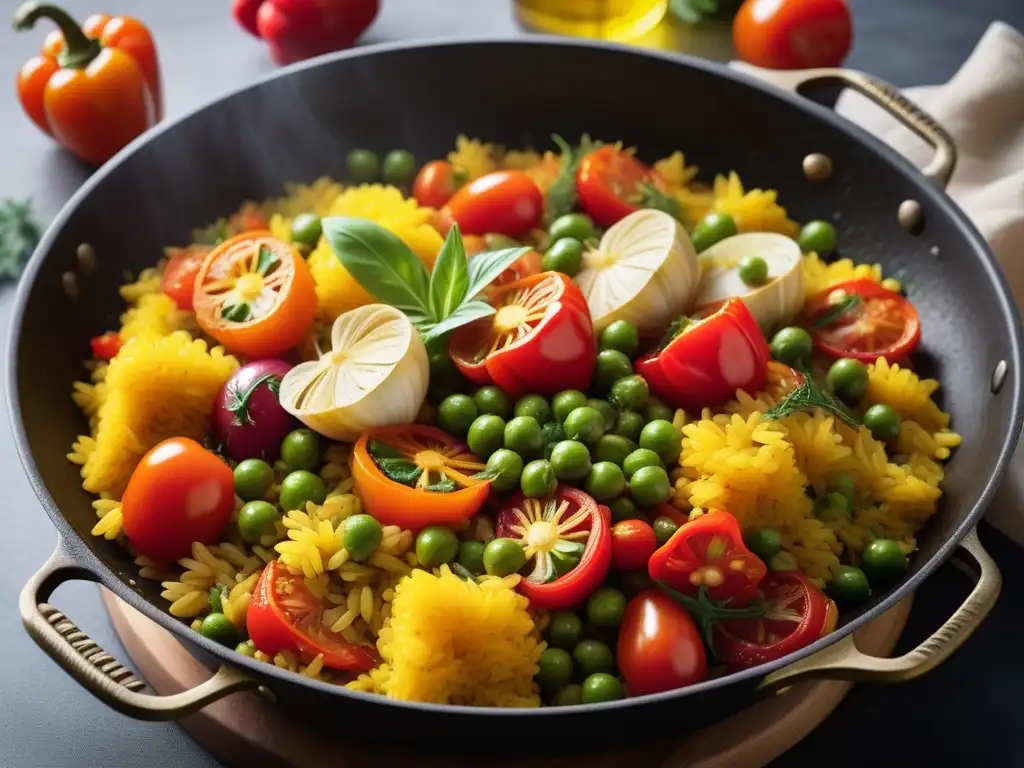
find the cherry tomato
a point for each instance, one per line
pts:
(107, 346)
(633, 543)
(284, 615)
(792, 34)
(502, 202)
(610, 184)
(179, 493)
(876, 322)
(435, 184)
(659, 646)
(179, 278)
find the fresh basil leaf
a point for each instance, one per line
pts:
(467, 313)
(399, 470)
(444, 485)
(266, 260)
(450, 278)
(381, 263)
(380, 450)
(485, 267)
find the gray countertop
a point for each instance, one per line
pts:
(965, 710)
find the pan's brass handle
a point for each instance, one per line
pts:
(889, 98)
(99, 672)
(842, 661)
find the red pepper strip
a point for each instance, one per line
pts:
(709, 360)
(709, 553)
(107, 346)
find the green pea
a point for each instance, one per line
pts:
(712, 228)
(753, 270)
(650, 486)
(641, 457)
(621, 335)
(306, 229)
(655, 410)
(565, 402)
(456, 413)
(883, 562)
(486, 435)
(623, 508)
(832, 506)
(611, 366)
(538, 479)
(246, 648)
(628, 424)
(399, 167)
(300, 449)
(576, 225)
(664, 439)
(567, 696)
(564, 629)
(608, 412)
(471, 556)
(218, 627)
(613, 448)
(584, 424)
(848, 586)
(792, 346)
(497, 242)
(601, 687)
(445, 378)
(570, 460)
(256, 519)
(630, 393)
(664, 529)
(363, 166)
(604, 481)
(435, 546)
(361, 536)
(505, 467)
(503, 557)
(535, 406)
(766, 543)
(883, 422)
(299, 487)
(554, 668)
(523, 435)
(253, 478)
(565, 255)
(494, 401)
(848, 378)
(605, 607)
(818, 237)
(843, 483)
(591, 657)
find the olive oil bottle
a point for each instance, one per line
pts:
(603, 19)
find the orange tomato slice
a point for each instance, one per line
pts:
(255, 295)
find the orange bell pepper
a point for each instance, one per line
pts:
(94, 88)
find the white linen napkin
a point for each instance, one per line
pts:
(982, 107)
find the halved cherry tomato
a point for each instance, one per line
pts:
(876, 322)
(254, 294)
(440, 457)
(610, 184)
(540, 340)
(249, 218)
(709, 552)
(435, 184)
(566, 536)
(795, 615)
(792, 34)
(107, 346)
(179, 280)
(659, 647)
(179, 493)
(503, 202)
(633, 543)
(284, 615)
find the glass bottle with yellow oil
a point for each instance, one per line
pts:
(602, 19)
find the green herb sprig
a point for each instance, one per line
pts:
(561, 197)
(19, 236)
(808, 396)
(846, 304)
(436, 303)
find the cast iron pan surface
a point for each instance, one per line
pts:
(298, 125)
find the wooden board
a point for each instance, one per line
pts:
(246, 730)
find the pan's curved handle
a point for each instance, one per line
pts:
(888, 97)
(99, 672)
(842, 661)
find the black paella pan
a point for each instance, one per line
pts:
(299, 124)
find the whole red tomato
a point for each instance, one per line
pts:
(435, 184)
(179, 493)
(633, 543)
(659, 647)
(503, 202)
(792, 34)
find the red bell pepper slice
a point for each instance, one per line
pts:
(709, 552)
(566, 537)
(795, 614)
(708, 360)
(540, 340)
